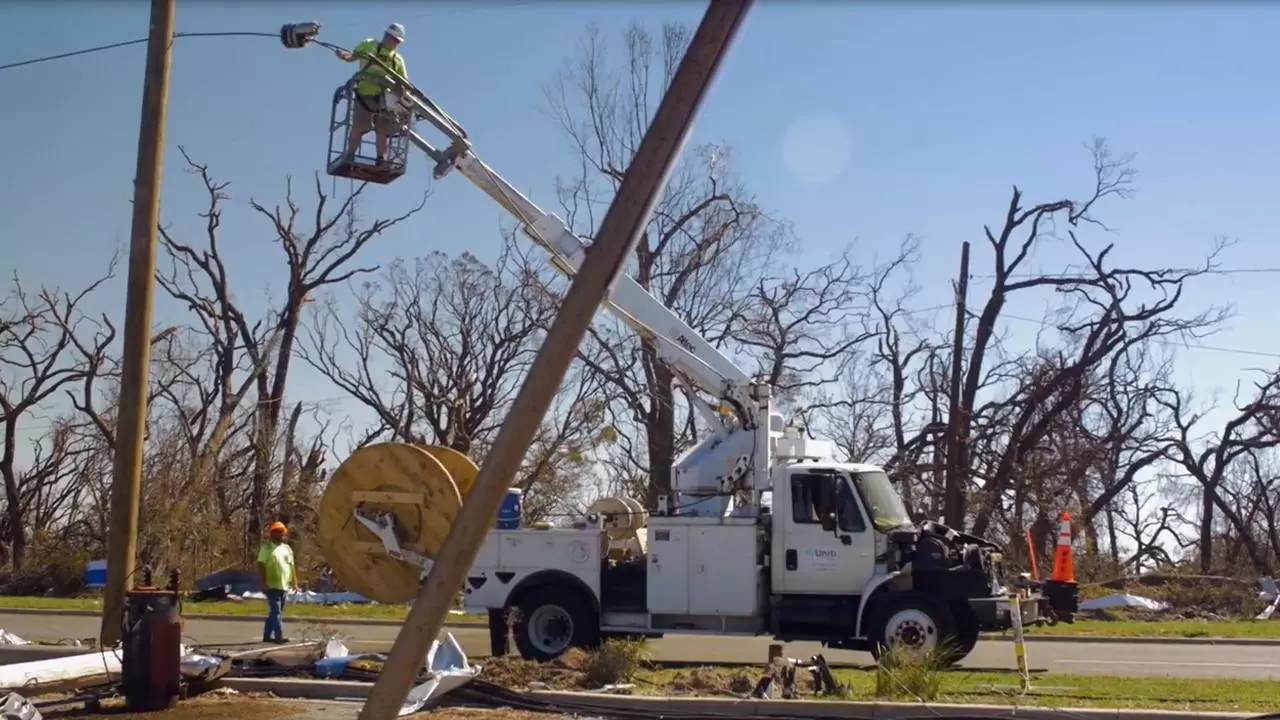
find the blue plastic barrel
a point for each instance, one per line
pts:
(509, 511)
(95, 574)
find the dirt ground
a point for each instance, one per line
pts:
(238, 707)
(576, 670)
(212, 708)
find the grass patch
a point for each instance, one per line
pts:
(614, 662)
(896, 679)
(903, 677)
(239, 608)
(1163, 628)
(1167, 693)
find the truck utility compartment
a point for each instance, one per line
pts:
(701, 569)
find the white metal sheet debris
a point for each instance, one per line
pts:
(58, 670)
(448, 670)
(1123, 600)
(1270, 594)
(17, 707)
(8, 638)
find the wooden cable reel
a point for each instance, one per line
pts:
(422, 485)
(623, 516)
(624, 520)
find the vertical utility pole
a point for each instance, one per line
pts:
(957, 423)
(126, 478)
(619, 231)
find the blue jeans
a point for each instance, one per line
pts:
(274, 629)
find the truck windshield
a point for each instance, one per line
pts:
(881, 500)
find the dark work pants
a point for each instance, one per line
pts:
(274, 629)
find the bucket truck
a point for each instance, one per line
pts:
(764, 532)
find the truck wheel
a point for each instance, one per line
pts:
(966, 638)
(553, 619)
(966, 632)
(912, 621)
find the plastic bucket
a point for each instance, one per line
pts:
(509, 511)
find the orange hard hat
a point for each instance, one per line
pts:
(278, 526)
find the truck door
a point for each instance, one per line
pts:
(809, 559)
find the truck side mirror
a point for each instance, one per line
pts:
(829, 522)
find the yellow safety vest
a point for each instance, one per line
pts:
(368, 79)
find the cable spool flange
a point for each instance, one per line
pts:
(415, 483)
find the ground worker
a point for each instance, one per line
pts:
(278, 577)
(369, 111)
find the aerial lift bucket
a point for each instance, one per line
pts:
(363, 165)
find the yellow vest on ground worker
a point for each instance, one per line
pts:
(368, 80)
(278, 559)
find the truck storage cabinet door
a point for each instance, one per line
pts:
(724, 577)
(668, 576)
(814, 560)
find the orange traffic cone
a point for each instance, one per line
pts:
(1064, 567)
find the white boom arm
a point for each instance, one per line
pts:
(690, 356)
(735, 460)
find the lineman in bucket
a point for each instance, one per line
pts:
(368, 113)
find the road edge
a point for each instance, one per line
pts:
(296, 688)
(389, 622)
(378, 622)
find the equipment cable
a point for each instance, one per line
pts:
(433, 13)
(127, 43)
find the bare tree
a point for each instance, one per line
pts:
(316, 256)
(437, 351)
(46, 344)
(1106, 315)
(1252, 429)
(706, 240)
(802, 329)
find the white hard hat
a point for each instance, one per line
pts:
(396, 30)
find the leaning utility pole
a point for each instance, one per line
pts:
(957, 422)
(131, 420)
(619, 231)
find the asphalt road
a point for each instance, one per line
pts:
(1081, 658)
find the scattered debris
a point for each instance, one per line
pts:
(197, 666)
(1269, 594)
(447, 670)
(8, 638)
(17, 707)
(1164, 597)
(1116, 600)
(61, 672)
(221, 691)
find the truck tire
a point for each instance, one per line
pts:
(553, 619)
(913, 620)
(966, 633)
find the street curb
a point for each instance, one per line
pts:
(585, 702)
(845, 709)
(1138, 640)
(1032, 636)
(381, 622)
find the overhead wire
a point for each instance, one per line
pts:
(331, 46)
(273, 35)
(1198, 271)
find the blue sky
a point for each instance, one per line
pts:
(858, 121)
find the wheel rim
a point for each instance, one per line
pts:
(911, 630)
(550, 629)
